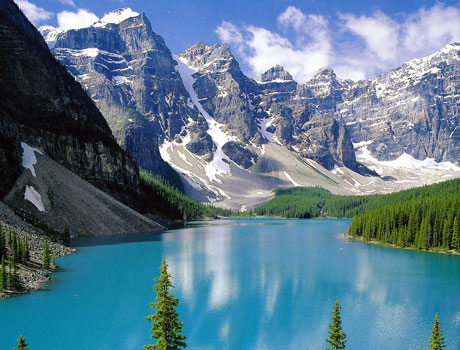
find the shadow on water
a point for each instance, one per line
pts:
(117, 239)
(182, 232)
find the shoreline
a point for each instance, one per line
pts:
(389, 245)
(31, 274)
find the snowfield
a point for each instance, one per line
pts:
(28, 157)
(34, 197)
(220, 162)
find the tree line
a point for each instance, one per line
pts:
(172, 204)
(15, 251)
(427, 222)
(313, 202)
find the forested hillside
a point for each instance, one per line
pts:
(425, 217)
(429, 221)
(170, 203)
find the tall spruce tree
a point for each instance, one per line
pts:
(2, 242)
(21, 344)
(337, 337)
(14, 281)
(46, 255)
(455, 244)
(3, 276)
(166, 327)
(27, 251)
(436, 341)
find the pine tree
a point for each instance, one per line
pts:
(10, 277)
(10, 238)
(21, 344)
(24, 250)
(14, 281)
(337, 338)
(455, 244)
(436, 341)
(2, 244)
(166, 326)
(3, 276)
(14, 247)
(46, 255)
(27, 252)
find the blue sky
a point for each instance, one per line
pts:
(357, 39)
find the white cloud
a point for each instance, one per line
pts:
(229, 33)
(262, 49)
(265, 49)
(68, 2)
(364, 46)
(75, 20)
(426, 29)
(292, 16)
(314, 25)
(34, 13)
(379, 32)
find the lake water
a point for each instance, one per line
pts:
(243, 284)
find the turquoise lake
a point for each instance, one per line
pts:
(242, 284)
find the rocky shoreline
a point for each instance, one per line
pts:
(389, 245)
(31, 274)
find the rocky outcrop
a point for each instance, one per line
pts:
(46, 108)
(222, 88)
(31, 274)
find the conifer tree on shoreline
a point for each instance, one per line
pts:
(46, 255)
(21, 344)
(337, 337)
(166, 327)
(436, 341)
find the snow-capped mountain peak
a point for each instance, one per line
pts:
(116, 17)
(50, 34)
(276, 73)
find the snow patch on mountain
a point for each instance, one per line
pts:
(34, 197)
(50, 33)
(220, 165)
(291, 179)
(116, 17)
(89, 52)
(405, 161)
(263, 124)
(118, 80)
(28, 157)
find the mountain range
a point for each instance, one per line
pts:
(232, 139)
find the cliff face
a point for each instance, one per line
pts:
(413, 109)
(45, 107)
(129, 73)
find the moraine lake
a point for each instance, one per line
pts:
(242, 285)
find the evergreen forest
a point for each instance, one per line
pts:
(425, 217)
(172, 204)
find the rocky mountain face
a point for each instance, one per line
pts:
(43, 107)
(212, 122)
(129, 73)
(122, 62)
(413, 109)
